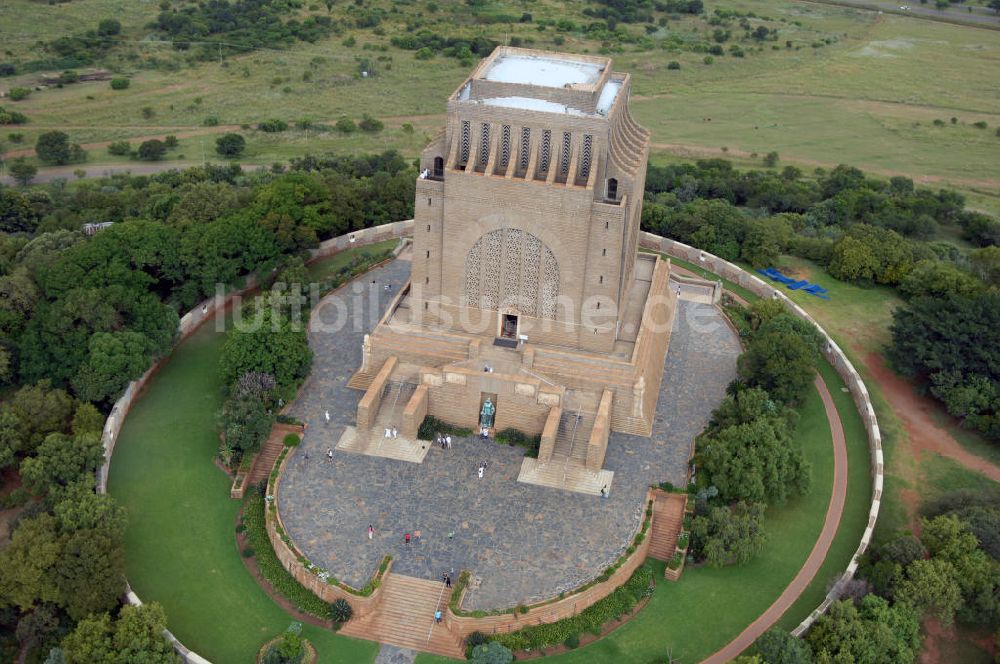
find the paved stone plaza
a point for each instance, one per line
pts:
(523, 542)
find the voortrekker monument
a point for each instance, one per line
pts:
(528, 305)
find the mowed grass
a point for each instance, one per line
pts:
(180, 544)
(868, 98)
(707, 608)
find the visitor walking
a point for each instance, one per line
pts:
(604, 491)
(437, 616)
(447, 441)
(395, 433)
(388, 432)
(416, 537)
(371, 532)
(406, 538)
(481, 470)
(326, 414)
(329, 454)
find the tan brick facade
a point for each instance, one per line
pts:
(526, 222)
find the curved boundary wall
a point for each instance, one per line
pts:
(205, 311)
(190, 322)
(836, 357)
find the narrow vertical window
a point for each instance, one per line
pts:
(543, 165)
(525, 147)
(567, 144)
(588, 151)
(484, 144)
(505, 147)
(466, 138)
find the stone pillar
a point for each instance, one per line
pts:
(415, 412)
(597, 446)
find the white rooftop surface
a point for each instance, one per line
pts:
(547, 72)
(608, 95)
(530, 104)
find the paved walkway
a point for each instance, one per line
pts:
(818, 554)
(523, 542)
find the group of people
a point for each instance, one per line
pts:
(443, 441)
(482, 469)
(391, 432)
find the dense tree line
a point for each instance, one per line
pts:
(80, 316)
(748, 458)
(865, 231)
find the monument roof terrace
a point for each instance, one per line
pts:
(539, 81)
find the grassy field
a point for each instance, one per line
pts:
(868, 97)
(180, 546)
(703, 611)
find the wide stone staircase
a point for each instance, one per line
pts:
(668, 518)
(405, 617)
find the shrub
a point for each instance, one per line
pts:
(708, 59)
(17, 94)
(370, 124)
(346, 126)
(273, 125)
(211, 121)
(230, 145)
(248, 552)
(120, 148)
(491, 653)
(475, 639)
(673, 64)
(432, 425)
(291, 440)
(120, 83)
(7, 69)
(572, 641)
(53, 147)
(12, 117)
(340, 610)
(980, 125)
(109, 27)
(170, 142)
(286, 650)
(151, 150)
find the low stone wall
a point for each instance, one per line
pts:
(559, 609)
(836, 357)
(190, 322)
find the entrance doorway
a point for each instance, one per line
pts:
(508, 326)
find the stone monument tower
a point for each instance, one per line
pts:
(527, 297)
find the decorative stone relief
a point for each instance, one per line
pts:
(512, 269)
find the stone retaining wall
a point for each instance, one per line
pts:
(836, 357)
(462, 626)
(190, 322)
(292, 558)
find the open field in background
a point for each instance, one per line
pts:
(869, 98)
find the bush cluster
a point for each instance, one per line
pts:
(269, 565)
(612, 607)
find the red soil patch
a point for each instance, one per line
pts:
(916, 413)
(936, 634)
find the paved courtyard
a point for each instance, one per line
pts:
(522, 542)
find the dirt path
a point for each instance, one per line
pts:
(916, 413)
(817, 556)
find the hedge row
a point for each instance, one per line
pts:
(612, 607)
(269, 565)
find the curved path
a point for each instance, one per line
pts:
(818, 554)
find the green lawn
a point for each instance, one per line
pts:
(180, 545)
(707, 608)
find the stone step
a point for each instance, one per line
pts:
(668, 519)
(405, 617)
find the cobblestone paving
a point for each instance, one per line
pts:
(395, 655)
(522, 542)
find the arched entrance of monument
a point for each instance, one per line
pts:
(508, 325)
